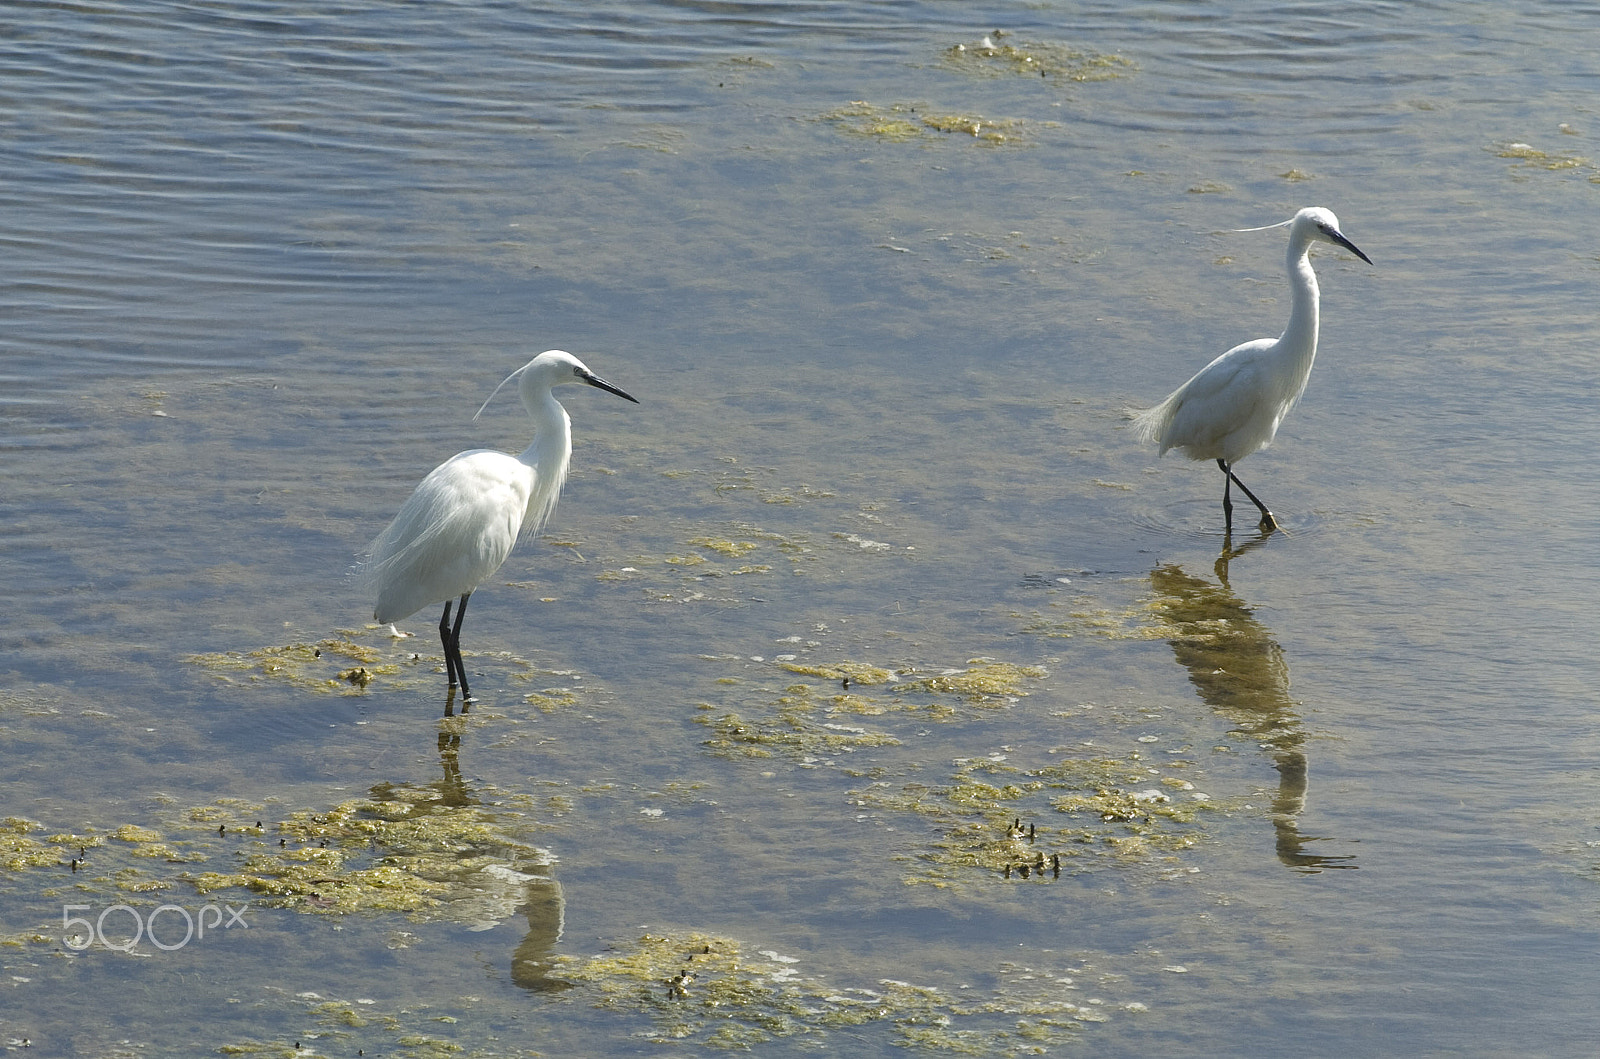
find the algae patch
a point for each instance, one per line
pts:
(794, 729)
(19, 850)
(996, 56)
(1142, 619)
(326, 1025)
(743, 557)
(403, 849)
(1072, 815)
(906, 122)
(845, 672)
(424, 852)
(1078, 810)
(728, 548)
(984, 682)
(1534, 158)
(702, 989)
(325, 666)
(807, 721)
(1528, 157)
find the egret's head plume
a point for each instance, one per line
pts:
(497, 389)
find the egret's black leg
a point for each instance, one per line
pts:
(444, 638)
(455, 646)
(1227, 501)
(1267, 521)
(450, 636)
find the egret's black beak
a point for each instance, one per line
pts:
(1339, 238)
(594, 380)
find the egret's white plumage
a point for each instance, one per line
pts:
(1233, 406)
(461, 522)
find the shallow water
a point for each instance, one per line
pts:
(263, 263)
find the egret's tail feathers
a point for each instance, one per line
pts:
(1150, 424)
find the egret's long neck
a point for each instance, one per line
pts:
(548, 455)
(1300, 337)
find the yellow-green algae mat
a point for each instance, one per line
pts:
(340, 664)
(697, 990)
(416, 852)
(423, 853)
(997, 55)
(703, 989)
(398, 851)
(1001, 54)
(1074, 813)
(353, 660)
(904, 122)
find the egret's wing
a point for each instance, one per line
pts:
(453, 531)
(1209, 406)
(1232, 370)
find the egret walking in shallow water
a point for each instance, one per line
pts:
(1234, 405)
(459, 525)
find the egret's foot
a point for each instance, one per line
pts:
(1268, 523)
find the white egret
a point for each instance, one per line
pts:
(460, 523)
(1234, 405)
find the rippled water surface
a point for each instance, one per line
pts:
(871, 688)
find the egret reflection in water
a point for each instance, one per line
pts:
(524, 884)
(1239, 670)
(487, 881)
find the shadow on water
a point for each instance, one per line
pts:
(1239, 670)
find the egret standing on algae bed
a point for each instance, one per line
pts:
(459, 525)
(1234, 405)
